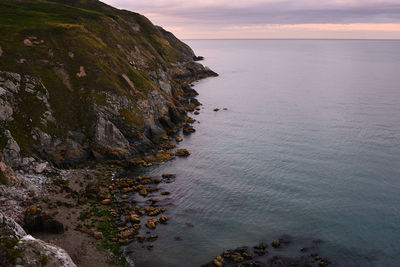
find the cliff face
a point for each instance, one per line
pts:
(80, 80)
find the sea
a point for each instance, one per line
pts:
(307, 149)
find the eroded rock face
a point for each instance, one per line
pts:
(31, 251)
(36, 251)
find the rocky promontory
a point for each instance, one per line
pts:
(85, 89)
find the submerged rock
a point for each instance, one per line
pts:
(275, 243)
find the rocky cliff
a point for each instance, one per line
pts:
(81, 80)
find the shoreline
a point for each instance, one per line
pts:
(65, 200)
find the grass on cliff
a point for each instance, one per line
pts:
(67, 35)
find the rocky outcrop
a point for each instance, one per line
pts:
(19, 249)
(79, 92)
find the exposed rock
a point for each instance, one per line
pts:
(143, 192)
(163, 219)
(27, 42)
(151, 223)
(98, 235)
(216, 109)
(35, 251)
(168, 175)
(31, 251)
(182, 153)
(188, 129)
(178, 139)
(81, 72)
(11, 151)
(198, 58)
(106, 201)
(275, 243)
(10, 228)
(6, 110)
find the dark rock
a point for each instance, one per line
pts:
(168, 175)
(198, 58)
(275, 243)
(182, 153)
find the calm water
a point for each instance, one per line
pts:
(309, 147)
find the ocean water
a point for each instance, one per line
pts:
(309, 147)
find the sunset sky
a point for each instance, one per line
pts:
(197, 19)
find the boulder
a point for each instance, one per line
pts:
(182, 153)
(106, 201)
(163, 219)
(275, 243)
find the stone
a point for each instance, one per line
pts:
(106, 201)
(182, 153)
(81, 72)
(276, 243)
(135, 218)
(216, 109)
(6, 110)
(34, 250)
(163, 219)
(41, 167)
(124, 196)
(151, 238)
(98, 235)
(27, 42)
(217, 263)
(178, 139)
(188, 129)
(323, 263)
(196, 113)
(151, 223)
(143, 192)
(165, 193)
(168, 175)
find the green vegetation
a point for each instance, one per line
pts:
(8, 250)
(53, 40)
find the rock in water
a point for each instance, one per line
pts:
(182, 153)
(275, 243)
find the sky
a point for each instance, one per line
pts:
(218, 19)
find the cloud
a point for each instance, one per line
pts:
(201, 15)
(270, 11)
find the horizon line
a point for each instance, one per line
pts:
(355, 39)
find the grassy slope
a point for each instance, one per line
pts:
(102, 39)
